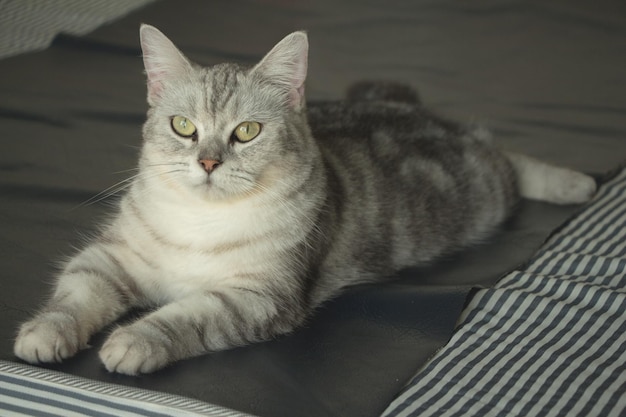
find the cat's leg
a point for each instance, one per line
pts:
(92, 291)
(195, 325)
(538, 180)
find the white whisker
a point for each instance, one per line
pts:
(128, 182)
(108, 192)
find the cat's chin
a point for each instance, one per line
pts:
(213, 193)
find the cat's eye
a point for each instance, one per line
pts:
(183, 126)
(246, 131)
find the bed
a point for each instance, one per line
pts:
(546, 78)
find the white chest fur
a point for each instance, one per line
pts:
(177, 246)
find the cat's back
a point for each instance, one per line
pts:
(382, 134)
(398, 145)
(409, 184)
(388, 129)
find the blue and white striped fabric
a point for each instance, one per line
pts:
(30, 391)
(548, 340)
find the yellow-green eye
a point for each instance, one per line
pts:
(183, 126)
(246, 131)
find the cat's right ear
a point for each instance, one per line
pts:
(162, 60)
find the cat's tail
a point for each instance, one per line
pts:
(538, 180)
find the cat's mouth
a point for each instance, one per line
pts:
(218, 187)
(233, 186)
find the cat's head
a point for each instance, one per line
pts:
(226, 131)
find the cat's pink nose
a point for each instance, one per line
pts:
(209, 164)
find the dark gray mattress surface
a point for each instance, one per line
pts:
(547, 78)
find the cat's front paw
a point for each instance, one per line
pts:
(132, 351)
(50, 337)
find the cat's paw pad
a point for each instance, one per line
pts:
(50, 337)
(130, 351)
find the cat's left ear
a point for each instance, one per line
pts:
(162, 60)
(286, 65)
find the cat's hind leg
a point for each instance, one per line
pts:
(538, 180)
(92, 292)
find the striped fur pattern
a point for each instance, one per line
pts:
(244, 247)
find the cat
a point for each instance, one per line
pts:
(252, 207)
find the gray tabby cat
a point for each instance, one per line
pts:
(250, 210)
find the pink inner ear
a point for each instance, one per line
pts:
(155, 85)
(296, 96)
